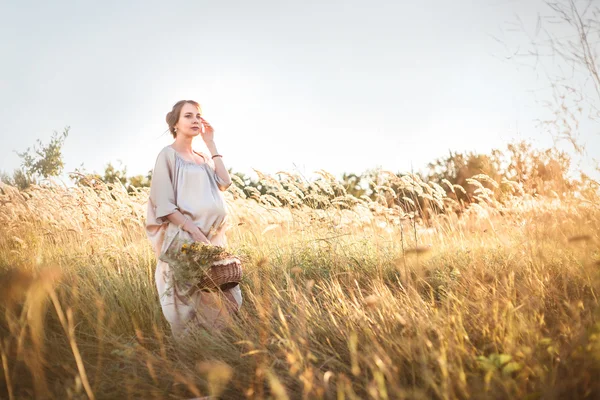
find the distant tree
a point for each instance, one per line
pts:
(139, 181)
(83, 178)
(45, 160)
(18, 178)
(539, 171)
(458, 167)
(6, 178)
(41, 161)
(114, 175)
(22, 180)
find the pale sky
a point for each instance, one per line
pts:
(305, 85)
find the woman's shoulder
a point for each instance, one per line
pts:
(167, 154)
(167, 150)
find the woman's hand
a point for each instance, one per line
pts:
(196, 233)
(208, 132)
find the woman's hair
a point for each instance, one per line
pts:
(173, 115)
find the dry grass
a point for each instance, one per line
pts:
(354, 301)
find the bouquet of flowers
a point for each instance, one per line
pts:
(201, 266)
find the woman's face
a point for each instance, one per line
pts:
(189, 121)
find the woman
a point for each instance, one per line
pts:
(185, 195)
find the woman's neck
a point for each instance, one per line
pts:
(183, 145)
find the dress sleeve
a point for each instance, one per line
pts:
(162, 192)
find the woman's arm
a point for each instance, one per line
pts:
(220, 169)
(182, 221)
(208, 134)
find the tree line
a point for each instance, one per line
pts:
(539, 171)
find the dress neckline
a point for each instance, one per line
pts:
(188, 161)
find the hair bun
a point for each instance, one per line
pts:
(168, 117)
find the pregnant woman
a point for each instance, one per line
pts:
(185, 195)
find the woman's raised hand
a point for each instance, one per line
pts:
(207, 132)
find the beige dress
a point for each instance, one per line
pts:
(194, 190)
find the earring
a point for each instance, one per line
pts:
(175, 129)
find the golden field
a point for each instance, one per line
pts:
(351, 300)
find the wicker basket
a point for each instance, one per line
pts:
(223, 274)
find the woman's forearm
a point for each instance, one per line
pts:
(178, 219)
(220, 168)
(187, 225)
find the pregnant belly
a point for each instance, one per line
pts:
(204, 208)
